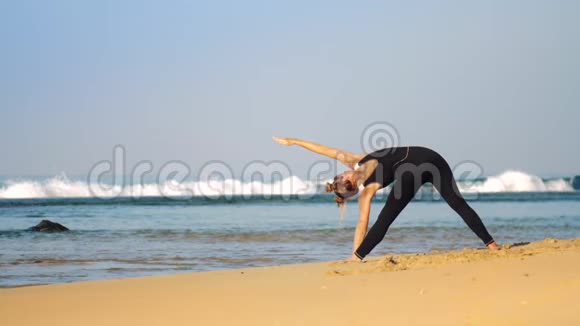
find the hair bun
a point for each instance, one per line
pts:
(339, 201)
(329, 187)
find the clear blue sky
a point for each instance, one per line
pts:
(497, 82)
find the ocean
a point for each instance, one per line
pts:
(144, 231)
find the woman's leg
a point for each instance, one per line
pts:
(396, 202)
(448, 189)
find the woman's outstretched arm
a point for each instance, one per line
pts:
(347, 158)
(364, 207)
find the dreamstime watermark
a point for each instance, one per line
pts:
(379, 136)
(214, 180)
(217, 179)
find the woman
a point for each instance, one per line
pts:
(409, 167)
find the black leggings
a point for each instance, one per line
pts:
(409, 178)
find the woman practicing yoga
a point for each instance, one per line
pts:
(409, 168)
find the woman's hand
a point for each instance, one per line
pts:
(283, 141)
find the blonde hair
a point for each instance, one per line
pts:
(338, 199)
(331, 187)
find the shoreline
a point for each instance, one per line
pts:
(536, 283)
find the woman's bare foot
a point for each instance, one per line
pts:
(353, 258)
(493, 246)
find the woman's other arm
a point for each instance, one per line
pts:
(347, 158)
(364, 205)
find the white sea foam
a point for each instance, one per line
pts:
(515, 181)
(62, 187)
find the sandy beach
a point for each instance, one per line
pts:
(524, 284)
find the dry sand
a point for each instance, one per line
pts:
(524, 284)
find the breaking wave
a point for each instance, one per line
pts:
(63, 187)
(516, 181)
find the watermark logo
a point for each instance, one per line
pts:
(379, 136)
(217, 179)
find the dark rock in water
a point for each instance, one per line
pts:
(48, 226)
(576, 182)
